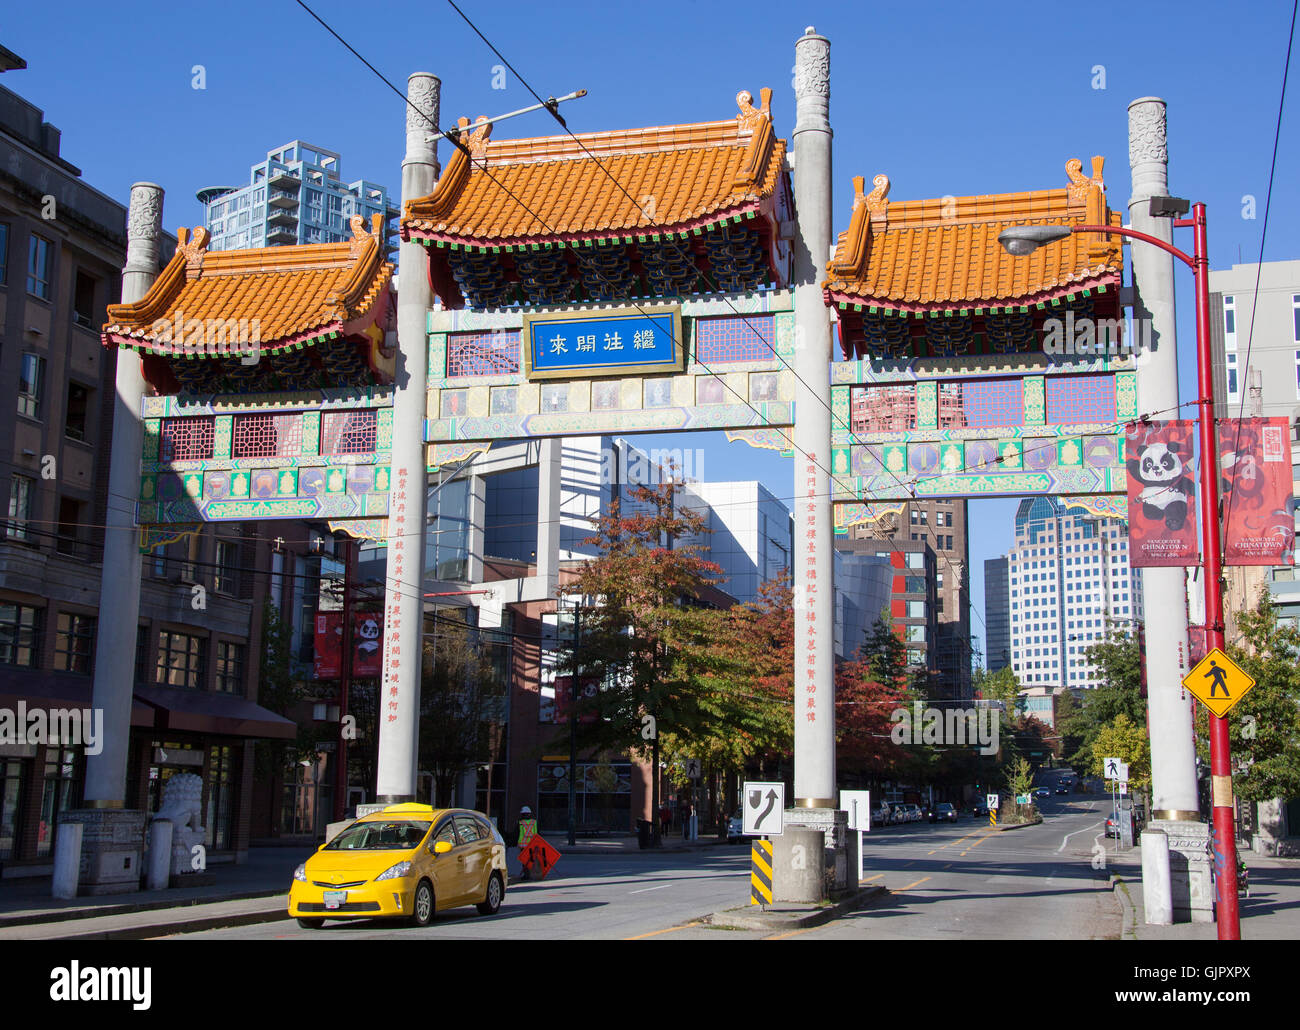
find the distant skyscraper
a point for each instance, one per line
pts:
(997, 614)
(1067, 573)
(294, 196)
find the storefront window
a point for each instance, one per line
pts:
(58, 794)
(11, 781)
(603, 798)
(220, 781)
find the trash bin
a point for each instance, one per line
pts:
(643, 833)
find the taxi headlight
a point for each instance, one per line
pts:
(395, 872)
(301, 873)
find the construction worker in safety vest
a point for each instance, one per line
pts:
(526, 831)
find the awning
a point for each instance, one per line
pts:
(69, 691)
(200, 711)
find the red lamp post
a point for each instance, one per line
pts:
(1026, 239)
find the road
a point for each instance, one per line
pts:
(945, 881)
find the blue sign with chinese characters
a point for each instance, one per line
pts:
(632, 341)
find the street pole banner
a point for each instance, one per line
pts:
(1255, 483)
(1161, 494)
(329, 645)
(367, 639)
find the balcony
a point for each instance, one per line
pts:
(283, 198)
(282, 234)
(285, 178)
(278, 216)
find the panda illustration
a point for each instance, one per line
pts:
(368, 638)
(1167, 490)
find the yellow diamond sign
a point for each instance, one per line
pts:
(1218, 682)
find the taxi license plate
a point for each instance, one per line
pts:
(333, 899)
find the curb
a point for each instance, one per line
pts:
(172, 924)
(1002, 828)
(31, 918)
(1128, 909)
(741, 920)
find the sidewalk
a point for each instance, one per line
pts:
(1272, 912)
(254, 892)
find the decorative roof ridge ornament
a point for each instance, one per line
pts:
(1081, 186)
(193, 244)
(750, 116)
(877, 200)
(478, 139)
(361, 236)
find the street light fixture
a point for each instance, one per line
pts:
(1021, 240)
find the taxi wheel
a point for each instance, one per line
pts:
(423, 909)
(492, 900)
(310, 924)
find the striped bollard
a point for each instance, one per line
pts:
(760, 872)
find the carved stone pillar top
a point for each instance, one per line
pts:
(423, 93)
(812, 80)
(144, 227)
(1148, 148)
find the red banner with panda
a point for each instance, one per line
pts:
(1256, 490)
(329, 645)
(1161, 494)
(367, 643)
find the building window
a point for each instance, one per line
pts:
(1230, 322)
(349, 432)
(83, 300)
(69, 526)
(20, 507)
(224, 577)
(59, 793)
(29, 385)
(4, 254)
(141, 654)
(181, 659)
(74, 421)
(40, 258)
(230, 667)
(20, 634)
(187, 439)
(74, 643)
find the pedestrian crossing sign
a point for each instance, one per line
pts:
(1218, 682)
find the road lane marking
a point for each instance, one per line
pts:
(644, 889)
(656, 933)
(873, 876)
(978, 843)
(1066, 839)
(910, 885)
(952, 842)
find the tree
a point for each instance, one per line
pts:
(1264, 726)
(460, 694)
(863, 706)
(1123, 739)
(280, 691)
(635, 639)
(999, 686)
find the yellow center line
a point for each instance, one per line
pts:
(873, 876)
(952, 842)
(979, 842)
(911, 885)
(656, 933)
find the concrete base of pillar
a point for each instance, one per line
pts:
(1157, 895)
(112, 849)
(834, 826)
(1191, 891)
(160, 854)
(798, 871)
(67, 861)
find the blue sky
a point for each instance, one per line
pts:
(945, 98)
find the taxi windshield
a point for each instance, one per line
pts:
(381, 835)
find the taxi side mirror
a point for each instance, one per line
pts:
(441, 847)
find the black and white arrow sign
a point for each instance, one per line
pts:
(764, 809)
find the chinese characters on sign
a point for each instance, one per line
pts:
(810, 607)
(1255, 483)
(610, 343)
(391, 681)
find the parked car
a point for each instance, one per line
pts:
(1114, 824)
(910, 813)
(406, 861)
(979, 808)
(736, 828)
(881, 814)
(943, 813)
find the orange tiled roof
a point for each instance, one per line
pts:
(678, 176)
(294, 294)
(929, 254)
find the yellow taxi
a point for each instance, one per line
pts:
(408, 861)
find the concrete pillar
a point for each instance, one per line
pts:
(160, 854)
(399, 710)
(119, 591)
(67, 860)
(798, 866)
(1173, 756)
(814, 723)
(1155, 878)
(548, 512)
(1174, 803)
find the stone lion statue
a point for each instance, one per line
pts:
(182, 807)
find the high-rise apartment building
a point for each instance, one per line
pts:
(295, 195)
(1068, 576)
(997, 614)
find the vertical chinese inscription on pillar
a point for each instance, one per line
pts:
(809, 627)
(393, 615)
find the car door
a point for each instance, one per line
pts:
(476, 853)
(448, 886)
